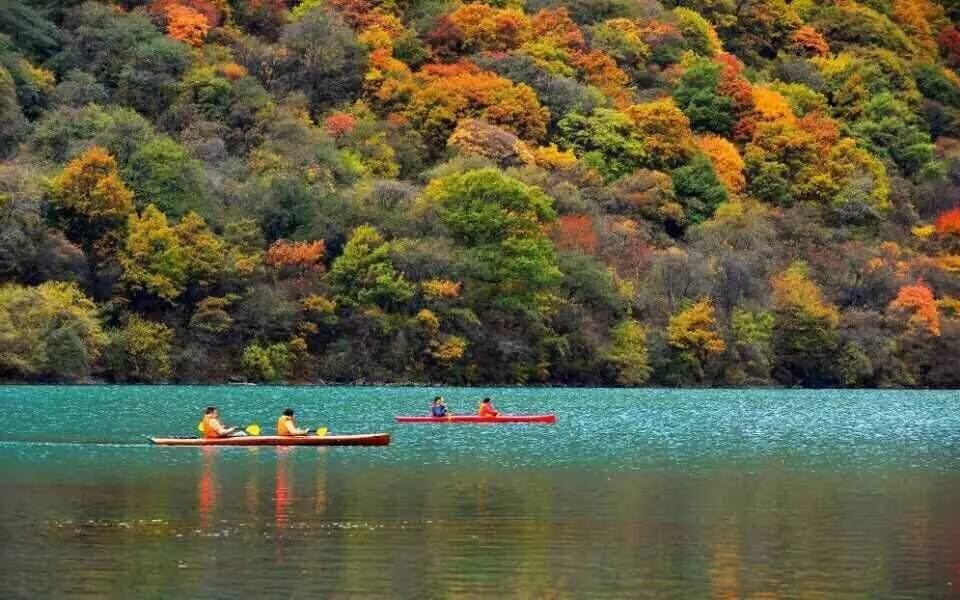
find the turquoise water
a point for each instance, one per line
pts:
(633, 493)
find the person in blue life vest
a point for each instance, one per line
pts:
(438, 408)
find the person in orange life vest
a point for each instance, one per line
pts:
(286, 426)
(213, 428)
(486, 409)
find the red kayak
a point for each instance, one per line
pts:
(478, 419)
(368, 439)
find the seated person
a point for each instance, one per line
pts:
(487, 409)
(286, 426)
(213, 428)
(438, 408)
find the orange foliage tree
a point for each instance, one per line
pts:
(807, 41)
(726, 161)
(554, 26)
(186, 24)
(601, 71)
(918, 300)
(438, 96)
(441, 289)
(296, 257)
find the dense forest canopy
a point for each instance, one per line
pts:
(703, 192)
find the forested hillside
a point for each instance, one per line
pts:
(706, 192)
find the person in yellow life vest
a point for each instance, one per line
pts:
(286, 426)
(213, 428)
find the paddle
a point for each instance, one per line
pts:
(319, 431)
(251, 429)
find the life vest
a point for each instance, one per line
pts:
(209, 431)
(284, 424)
(486, 410)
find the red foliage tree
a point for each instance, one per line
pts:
(949, 42)
(733, 84)
(339, 124)
(576, 232)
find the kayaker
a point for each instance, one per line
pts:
(213, 428)
(286, 426)
(438, 409)
(486, 409)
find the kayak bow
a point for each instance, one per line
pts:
(366, 439)
(478, 419)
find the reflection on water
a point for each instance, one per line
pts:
(682, 500)
(207, 493)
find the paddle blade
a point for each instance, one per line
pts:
(321, 431)
(200, 426)
(253, 429)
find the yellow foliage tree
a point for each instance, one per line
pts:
(694, 330)
(91, 186)
(665, 131)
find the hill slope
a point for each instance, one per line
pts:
(563, 191)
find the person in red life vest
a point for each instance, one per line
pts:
(486, 409)
(211, 427)
(286, 426)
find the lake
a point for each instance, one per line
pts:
(633, 493)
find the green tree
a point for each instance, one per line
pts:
(607, 140)
(697, 95)
(270, 363)
(152, 258)
(12, 123)
(364, 274)
(140, 351)
(48, 332)
(698, 189)
(499, 220)
(628, 353)
(163, 174)
(323, 58)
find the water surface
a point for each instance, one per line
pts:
(634, 493)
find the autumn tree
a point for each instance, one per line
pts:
(804, 335)
(726, 161)
(186, 24)
(296, 258)
(807, 41)
(93, 197)
(665, 132)
(918, 302)
(694, 337)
